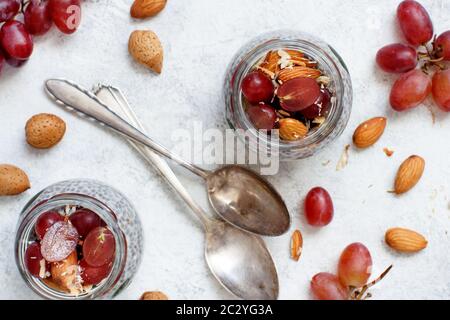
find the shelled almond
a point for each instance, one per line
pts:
(369, 132)
(142, 9)
(409, 174)
(405, 240)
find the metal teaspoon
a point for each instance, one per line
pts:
(240, 196)
(240, 261)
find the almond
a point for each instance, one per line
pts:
(13, 180)
(44, 130)
(145, 47)
(292, 129)
(66, 274)
(405, 240)
(297, 72)
(147, 8)
(156, 295)
(270, 64)
(369, 132)
(409, 174)
(296, 245)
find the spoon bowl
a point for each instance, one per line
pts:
(247, 201)
(241, 262)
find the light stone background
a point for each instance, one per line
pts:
(200, 37)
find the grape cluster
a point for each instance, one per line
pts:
(351, 281)
(425, 50)
(20, 20)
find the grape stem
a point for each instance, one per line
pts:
(362, 294)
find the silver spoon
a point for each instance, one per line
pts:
(240, 261)
(240, 196)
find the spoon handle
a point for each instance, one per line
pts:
(80, 99)
(117, 102)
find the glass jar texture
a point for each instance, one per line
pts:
(329, 62)
(115, 210)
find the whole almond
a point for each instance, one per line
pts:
(145, 47)
(409, 174)
(405, 240)
(13, 180)
(155, 295)
(142, 9)
(297, 72)
(296, 245)
(369, 132)
(44, 130)
(292, 129)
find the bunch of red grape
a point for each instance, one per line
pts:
(20, 20)
(354, 271)
(424, 50)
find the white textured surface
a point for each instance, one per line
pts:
(200, 37)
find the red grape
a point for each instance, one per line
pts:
(59, 242)
(8, 9)
(94, 275)
(443, 42)
(66, 14)
(441, 89)
(397, 58)
(84, 221)
(355, 265)
(38, 17)
(415, 22)
(320, 107)
(410, 90)
(262, 116)
(257, 88)
(15, 40)
(319, 208)
(298, 94)
(34, 259)
(99, 247)
(2, 61)
(326, 286)
(45, 221)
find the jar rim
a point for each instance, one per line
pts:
(319, 50)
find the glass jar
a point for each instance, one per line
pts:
(111, 206)
(329, 62)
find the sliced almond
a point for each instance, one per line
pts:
(296, 245)
(404, 240)
(409, 174)
(369, 132)
(292, 129)
(297, 72)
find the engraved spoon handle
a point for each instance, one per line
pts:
(117, 102)
(83, 101)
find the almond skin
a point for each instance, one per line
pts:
(369, 132)
(142, 9)
(154, 296)
(296, 245)
(13, 180)
(44, 130)
(145, 47)
(409, 174)
(297, 72)
(404, 240)
(292, 129)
